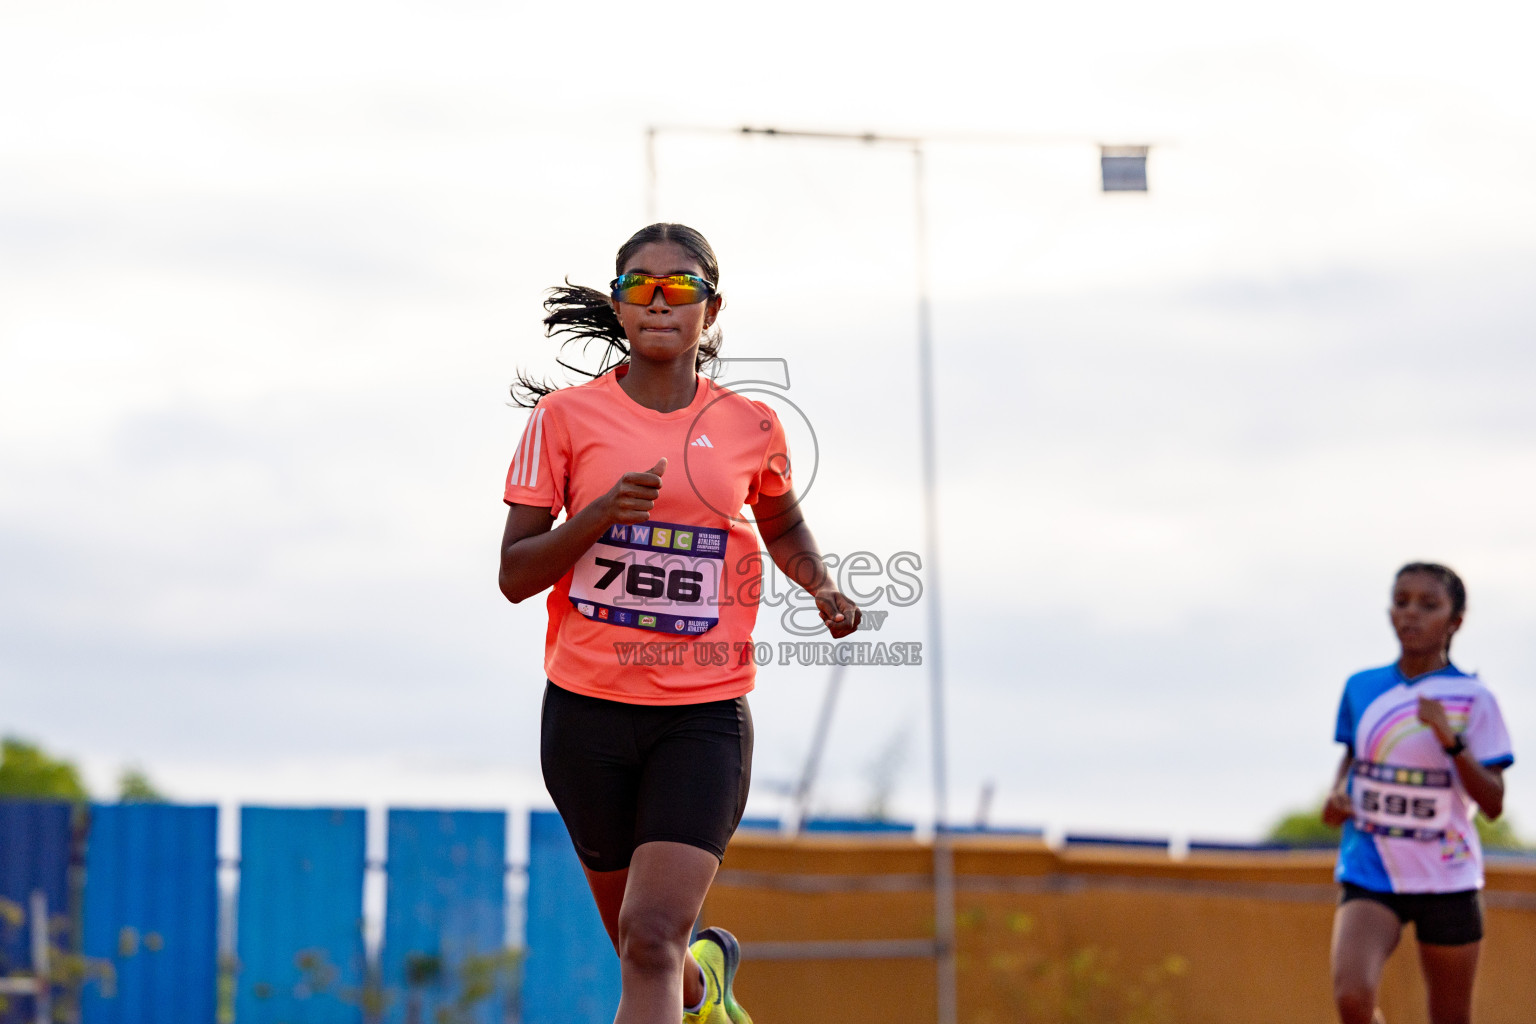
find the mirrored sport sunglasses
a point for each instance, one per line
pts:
(677, 289)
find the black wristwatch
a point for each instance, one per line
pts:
(1455, 748)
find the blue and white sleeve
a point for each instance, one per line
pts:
(1487, 736)
(1344, 730)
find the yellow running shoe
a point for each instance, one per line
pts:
(719, 954)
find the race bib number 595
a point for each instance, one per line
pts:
(1401, 803)
(663, 577)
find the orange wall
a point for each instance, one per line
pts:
(1103, 935)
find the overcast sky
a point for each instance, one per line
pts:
(267, 269)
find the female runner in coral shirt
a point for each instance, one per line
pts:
(646, 736)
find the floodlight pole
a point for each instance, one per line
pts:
(943, 853)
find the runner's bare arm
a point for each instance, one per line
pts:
(534, 557)
(1485, 785)
(1338, 809)
(793, 549)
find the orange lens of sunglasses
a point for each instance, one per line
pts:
(677, 289)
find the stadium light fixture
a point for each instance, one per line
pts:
(1123, 168)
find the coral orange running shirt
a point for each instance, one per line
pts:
(659, 612)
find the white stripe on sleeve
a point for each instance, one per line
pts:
(520, 460)
(538, 448)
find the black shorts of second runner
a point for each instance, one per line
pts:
(626, 774)
(1439, 918)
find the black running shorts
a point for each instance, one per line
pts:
(626, 774)
(1439, 918)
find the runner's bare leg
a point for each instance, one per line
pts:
(639, 903)
(1364, 935)
(1448, 975)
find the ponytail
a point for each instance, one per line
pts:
(577, 313)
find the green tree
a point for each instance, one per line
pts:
(27, 771)
(1306, 828)
(135, 787)
(1499, 835)
(1303, 828)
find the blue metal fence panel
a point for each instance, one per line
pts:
(300, 916)
(862, 825)
(1020, 831)
(34, 857)
(1137, 842)
(446, 902)
(151, 910)
(570, 974)
(1231, 846)
(759, 825)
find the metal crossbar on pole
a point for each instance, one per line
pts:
(1123, 167)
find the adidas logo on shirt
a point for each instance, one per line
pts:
(702, 441)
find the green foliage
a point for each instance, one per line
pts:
(68, 971)
(423, 969)
(135, 787)
(1306, 828)
(479, 978)
(26, 771)
(1498, 835)
(12, 914)
(1086, 985)
(229, 968)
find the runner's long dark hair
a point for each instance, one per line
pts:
(578, 314)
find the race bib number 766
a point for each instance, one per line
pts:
(663, 577)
